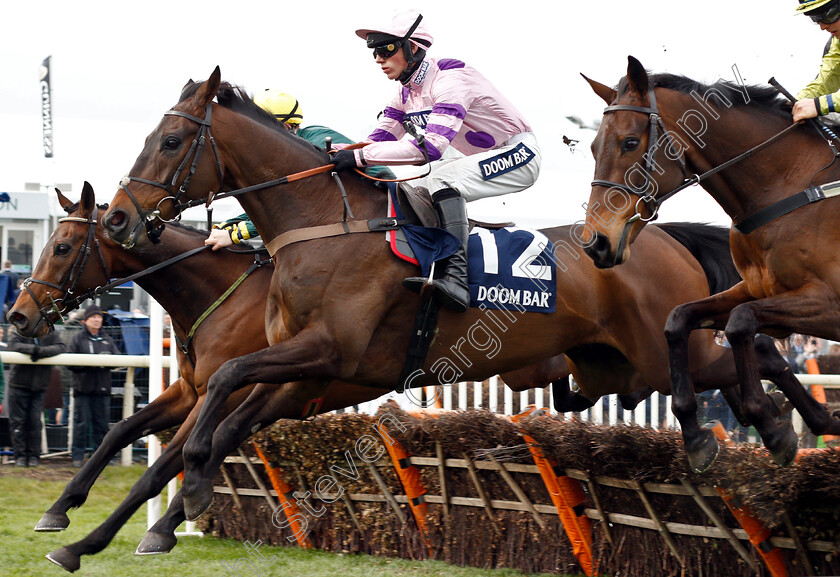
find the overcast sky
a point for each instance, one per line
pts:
(116, 67)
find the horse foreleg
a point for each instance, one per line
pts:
(150, 484)
(308, 355)
(630, 401)
(168, 410)
(265, 405)
(804, 310)
(701, 447)
(778, 436)
(776, 369)
(160, 538)
(555, 371)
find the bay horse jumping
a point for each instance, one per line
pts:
(661, 133)
(79, 259)
(335, 309)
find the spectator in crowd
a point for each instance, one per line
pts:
(784, 348)
(7, 270)
(30, 383)
(715, 408)
(91, 385)
(810, 350)
(4, 397)
(8, 288)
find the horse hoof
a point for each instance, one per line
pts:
(156, 543)
(196, 504)
(785, 452)
(52, 522)
(65, 559)
(781, 404)
(701, 457)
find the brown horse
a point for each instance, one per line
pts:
(182, 287)
(335, 308)
(741, 144)
(187, 292)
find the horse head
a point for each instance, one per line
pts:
(62, 268)
(171, 168)
(628, 172)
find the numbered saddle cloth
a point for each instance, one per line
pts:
(512, 268)
(509, 268)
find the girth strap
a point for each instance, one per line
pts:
(328, 230)
(786, 205)
(185, 346)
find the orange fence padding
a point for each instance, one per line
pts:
(568, 498)
(409, 477)
(818, 392)
(284, 495)
(759, 534)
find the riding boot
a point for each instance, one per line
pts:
(451, 287)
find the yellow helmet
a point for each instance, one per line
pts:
(806, 6)
(284, 107)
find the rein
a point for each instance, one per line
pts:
(184, 346)
(653, 203)
(147, 217)
(67, 286)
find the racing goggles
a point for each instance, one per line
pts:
(388, 50)
(830, 15)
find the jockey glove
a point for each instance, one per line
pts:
(343, 160)
(35, 354)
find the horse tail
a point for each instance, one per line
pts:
(709, 245)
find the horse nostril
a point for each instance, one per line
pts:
(115, 220)
(19, 320)
(602, 244)
(599, 251)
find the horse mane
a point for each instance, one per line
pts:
(709, 244)
(761, 96)
(236, 98)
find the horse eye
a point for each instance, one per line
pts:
(62, 249)
(630, 143)
(171, 142)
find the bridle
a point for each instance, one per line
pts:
(63, 304)
(148, 217)
(68, 285)
(646, 195)
(152, 219)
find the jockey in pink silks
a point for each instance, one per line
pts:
(455, 106)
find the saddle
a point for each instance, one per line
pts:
(415, 203)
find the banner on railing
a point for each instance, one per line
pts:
(46, 108)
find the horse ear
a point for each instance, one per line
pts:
(189, 84)
(606, 93)
(208, 89)
(88, 200)
(63, 200)
(637, 76)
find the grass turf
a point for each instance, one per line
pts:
(26, 493)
